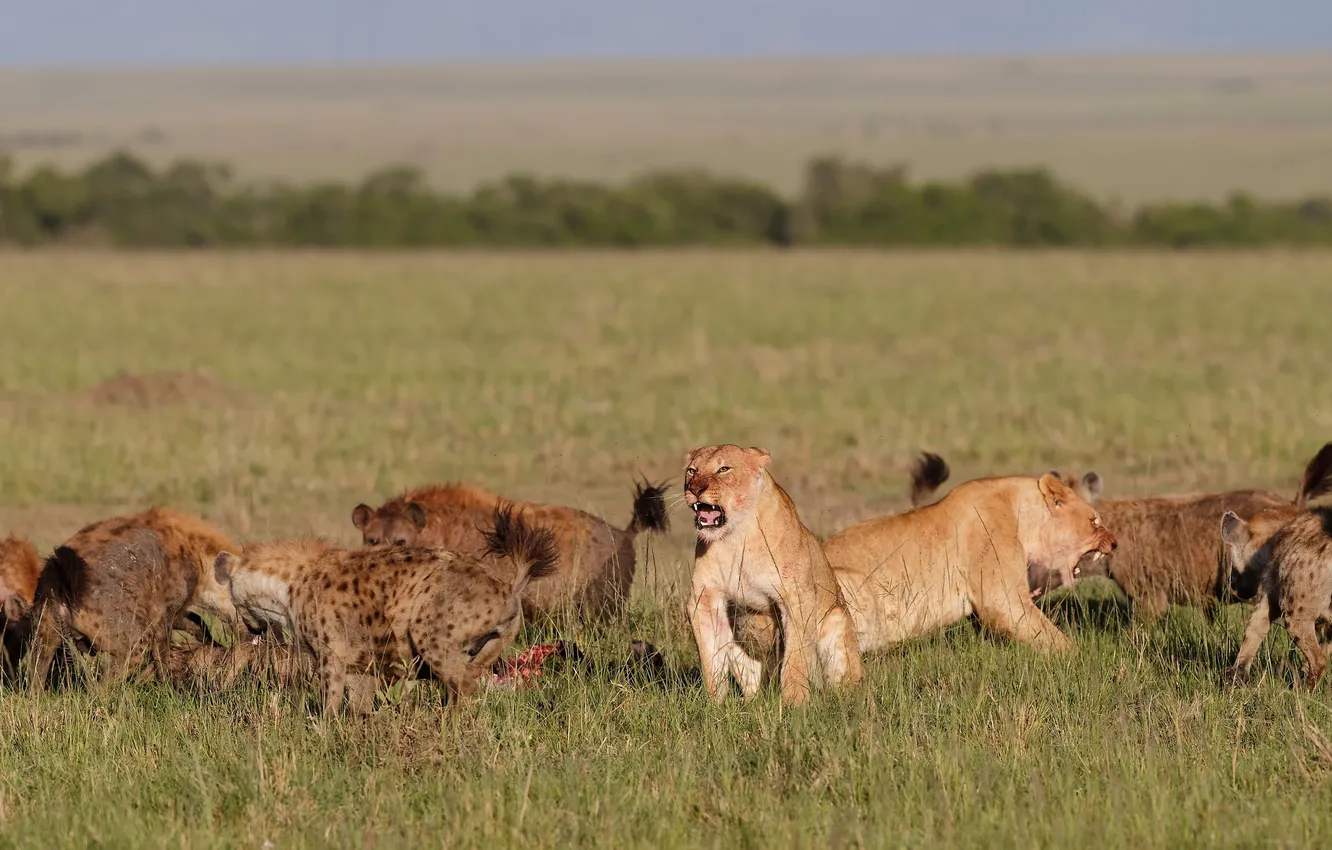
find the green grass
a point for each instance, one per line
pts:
(561, 376)
(1134, 128)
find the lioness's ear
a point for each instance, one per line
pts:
(417, 515)
(1056, 492)
(762, 456)
(1089, 487)
(222, 567)
(361, 515)
(1234, 530)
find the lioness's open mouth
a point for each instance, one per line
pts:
(708, 516)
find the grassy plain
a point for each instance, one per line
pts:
(1127, 127)
(343, 377)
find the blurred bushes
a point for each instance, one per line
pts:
(122, 201)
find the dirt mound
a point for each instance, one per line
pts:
(161, 389)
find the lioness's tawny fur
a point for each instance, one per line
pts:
(596, 562)
(754, 554)
(1167, 545)
(908, 574)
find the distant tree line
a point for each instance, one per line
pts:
(123, 201)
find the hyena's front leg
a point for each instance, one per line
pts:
(1305, 636)
(1254, 633)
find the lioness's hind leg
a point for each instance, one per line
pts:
(747, 672)
(838, 650)
(801, 669)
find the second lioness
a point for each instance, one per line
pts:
(754, 554)
(910, 573)
(374, 613)
(1167, 545)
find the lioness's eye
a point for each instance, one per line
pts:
(400, 542)
(690, 471)
(723, 470)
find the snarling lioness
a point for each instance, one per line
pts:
(755, 555)
(908, 574)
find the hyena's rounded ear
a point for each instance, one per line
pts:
(1089, 487)
(1234, 530)
(417, 515)
(361, 515)
(223, 565)
(763, 456)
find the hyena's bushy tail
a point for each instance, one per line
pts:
(531, 548)
(928, 474)
(650, 512)
(1317, 478)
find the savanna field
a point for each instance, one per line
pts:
(316, 381)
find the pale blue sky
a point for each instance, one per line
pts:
(154, 32)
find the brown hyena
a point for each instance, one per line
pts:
(384, 612)
(116, 582)
(20, 565)
(1167, 546)
(1290, 568)
(596, 561)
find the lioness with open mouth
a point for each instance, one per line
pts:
(754, 554)
(970, 553)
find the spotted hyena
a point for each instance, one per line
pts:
(386, 612)
(595, 561)
(119, 586)
(20, 566)
(1290, 568)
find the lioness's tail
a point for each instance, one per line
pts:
(1317, 478)
(531, 548)
(928, 474)
(650, 512)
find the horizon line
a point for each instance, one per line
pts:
(675, 59)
